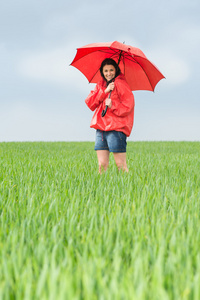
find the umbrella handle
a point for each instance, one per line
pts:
(105, 110)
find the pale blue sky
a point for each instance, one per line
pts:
(42, 97)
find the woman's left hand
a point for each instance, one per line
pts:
(108, 102)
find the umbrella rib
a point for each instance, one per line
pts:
(94, 75)
(146, 76)
(132, 59)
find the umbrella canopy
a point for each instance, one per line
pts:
(140, 73)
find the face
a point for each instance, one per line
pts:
(109, 72)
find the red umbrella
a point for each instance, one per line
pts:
(140, 73)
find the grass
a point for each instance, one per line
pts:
(68, 233)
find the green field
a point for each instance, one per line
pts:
(67, 232)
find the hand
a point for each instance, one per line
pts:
(108, 102)
(110, 87)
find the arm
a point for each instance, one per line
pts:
(126, 103)
(95, 97)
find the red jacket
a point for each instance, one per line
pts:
(121, 115)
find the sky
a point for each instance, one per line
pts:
(42, 97)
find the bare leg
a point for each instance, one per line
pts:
(103, 159)
(120, 159)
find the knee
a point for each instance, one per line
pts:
(103, 165)
(121, 165)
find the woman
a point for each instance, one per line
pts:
(112, 129)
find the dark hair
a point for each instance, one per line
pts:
(110, 61)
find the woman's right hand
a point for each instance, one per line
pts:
(110, 87)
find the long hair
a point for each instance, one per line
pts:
(110, 61)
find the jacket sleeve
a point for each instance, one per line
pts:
(126, 100)
(95, 97)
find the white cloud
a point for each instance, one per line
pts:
(175, 68)
(52, 66)
(176, 52)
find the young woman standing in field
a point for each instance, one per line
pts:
(113, 128)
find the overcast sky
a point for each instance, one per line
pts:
(42, 97)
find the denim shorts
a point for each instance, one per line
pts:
(113, 141)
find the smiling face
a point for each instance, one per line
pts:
(109, 72)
